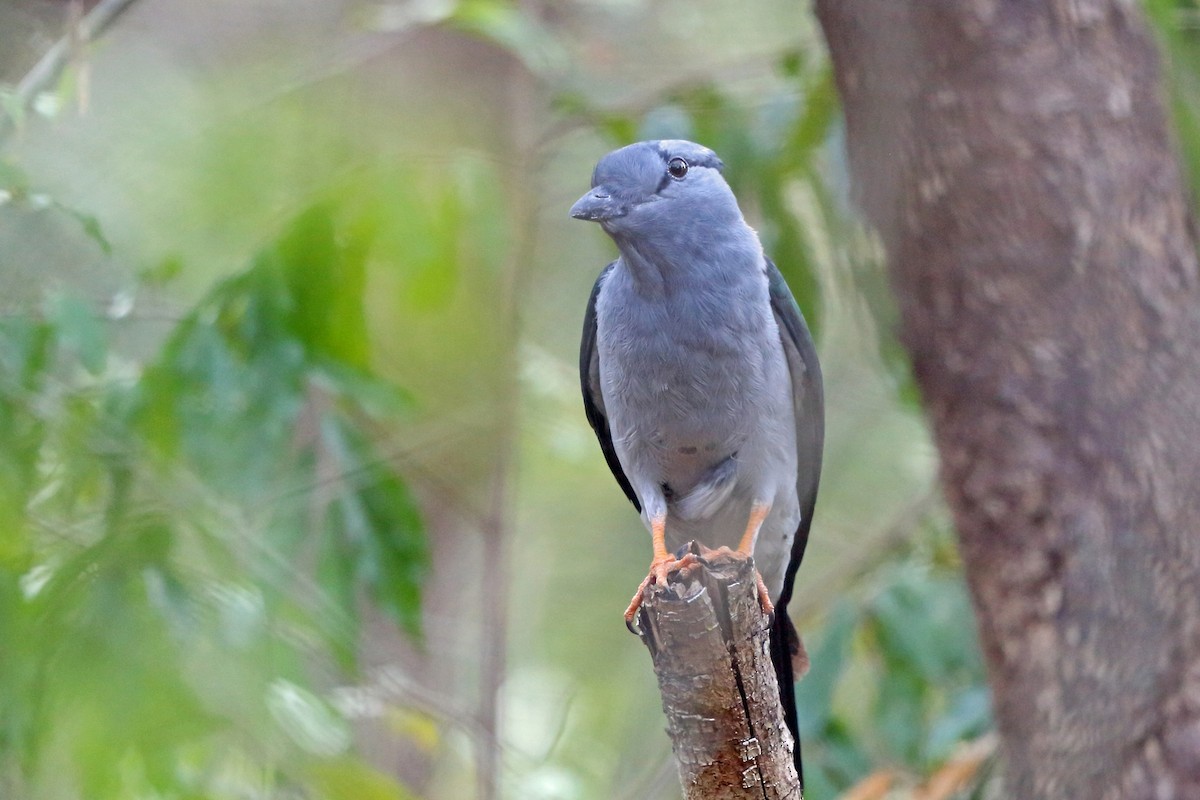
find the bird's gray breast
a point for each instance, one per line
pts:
(686, 374)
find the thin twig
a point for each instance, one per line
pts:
(49, 68)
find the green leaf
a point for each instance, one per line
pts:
(325, 282)
(159, 598)
(163, 272)
(377, 398)
(25, 348)
(307, 719)
(337, 573)
(841, 757)
(379, 521)
(907, 631)
(229, 384)
(899, 713)
(791, 63)
(351, 779)
(814, 692)
(25, 355)
(119, 689)
(619, 128)
(90, 225)
(426, 232)
(512, 27)
(80, 330)
(969, 715)
(12, 178)
(10, 103)
(263, 389)
(812, 127)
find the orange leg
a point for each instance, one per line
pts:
(758, 513)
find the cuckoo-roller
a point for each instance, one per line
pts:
(700, 377)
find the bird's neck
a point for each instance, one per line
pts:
(661, 267)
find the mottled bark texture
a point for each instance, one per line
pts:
(709, 640)
(1015, 157)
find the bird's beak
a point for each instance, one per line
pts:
(598, 205)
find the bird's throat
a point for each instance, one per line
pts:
(661, 271)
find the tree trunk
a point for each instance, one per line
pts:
(709, 640)
(1016, 160)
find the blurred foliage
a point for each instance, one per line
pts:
(15, 189)
(1177, 23)
(896, 681)
(160, 626)
(265, 389)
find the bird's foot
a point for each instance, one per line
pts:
(660, 568)
(764, 597)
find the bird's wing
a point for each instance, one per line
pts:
(593, 400)
(809, 403)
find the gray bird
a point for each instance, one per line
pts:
(700, 377)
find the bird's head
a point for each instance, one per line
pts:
(659, 191)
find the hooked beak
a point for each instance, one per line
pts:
(598, 205)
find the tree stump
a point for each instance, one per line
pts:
(710, 644)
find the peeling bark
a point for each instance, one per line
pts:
(1016, 160)
(709, 641)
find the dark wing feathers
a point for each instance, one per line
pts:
(593, 402)
(809, 400)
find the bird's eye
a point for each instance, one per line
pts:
(677, 167)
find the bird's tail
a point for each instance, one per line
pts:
(785, 643)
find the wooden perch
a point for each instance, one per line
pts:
(709, 641)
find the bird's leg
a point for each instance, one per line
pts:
(658, 563)
(758, 513)
(745, 549)
(661, 564)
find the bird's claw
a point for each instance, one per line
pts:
(636, 603)
(660, 569)
(764, 597)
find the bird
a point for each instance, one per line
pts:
(700, 378)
